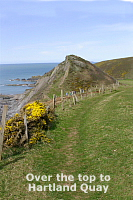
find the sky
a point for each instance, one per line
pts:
(40, 31)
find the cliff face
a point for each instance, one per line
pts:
(82, 73)
(71, 74)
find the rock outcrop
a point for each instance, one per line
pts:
(71, 74)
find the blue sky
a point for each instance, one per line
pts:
(37, 31)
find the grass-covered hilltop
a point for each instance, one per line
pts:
(71, 147)
(71, 74)
(118, 68)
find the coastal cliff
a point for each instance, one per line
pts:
(71, 74)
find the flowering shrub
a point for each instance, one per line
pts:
(39, 136)
(38, 122)
(14, 127)
(35, 110)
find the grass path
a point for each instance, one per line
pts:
(94, 137)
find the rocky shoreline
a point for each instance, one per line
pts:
(32, 79)
(25, 84)
(14, 101)
(11, 101)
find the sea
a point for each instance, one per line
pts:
(9, 72)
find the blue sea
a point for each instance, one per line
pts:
(21, 71)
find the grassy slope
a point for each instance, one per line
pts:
(127, 82)
(118, 68)
(94, 137)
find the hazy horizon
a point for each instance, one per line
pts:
(58, 62)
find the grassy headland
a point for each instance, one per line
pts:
(118, 68)
(92, 138)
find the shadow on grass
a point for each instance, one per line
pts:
(10, 162)
(18, 150)
(13, 151)
(53, 124)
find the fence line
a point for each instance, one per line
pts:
(3, 122)
(73, 97)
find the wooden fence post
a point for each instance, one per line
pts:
(99, 90)
(114, 87)
(91, 92)
(117, 84)
(88, 91)
(26, 128)
(74, 100)
(110, 88)
(81, 93)
(102, 88)
(62, 100)
(96, 89)
(5, 107)
(70, 100)
(53, 101)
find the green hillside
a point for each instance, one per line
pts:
(92, 138)
(71, 74)
(118, 68)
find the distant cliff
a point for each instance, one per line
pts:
(71, 74)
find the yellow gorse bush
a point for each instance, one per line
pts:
(38, 122)
(35, 110)
(38, 136)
